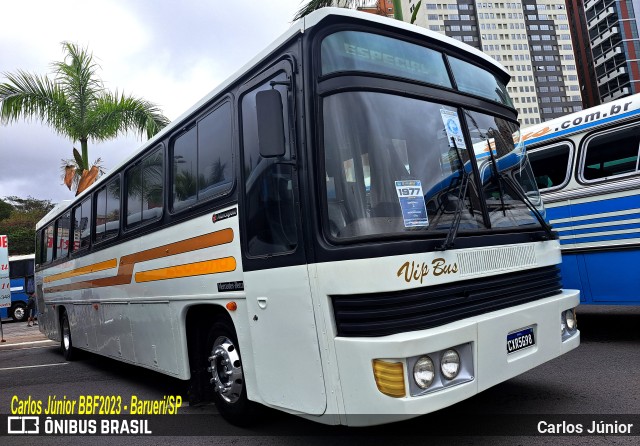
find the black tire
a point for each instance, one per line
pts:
(233, 405)
(66, 345)
(19, 312)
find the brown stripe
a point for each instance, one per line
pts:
(82, 271)
(125, 270)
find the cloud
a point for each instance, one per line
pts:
(169, 53)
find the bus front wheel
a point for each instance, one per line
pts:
(66, 345)
(226, 375)
(19, 312)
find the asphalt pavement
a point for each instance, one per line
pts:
(17, 334)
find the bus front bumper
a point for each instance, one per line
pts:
(485, 361)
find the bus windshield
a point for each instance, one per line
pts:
(392, 167)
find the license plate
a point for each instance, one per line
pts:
(520, 339)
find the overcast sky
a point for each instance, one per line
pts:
(171, 53)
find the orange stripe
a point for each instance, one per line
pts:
(215, 266)
(127, 263)
(82, 271)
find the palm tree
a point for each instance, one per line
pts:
(76, 104)
(314, 5)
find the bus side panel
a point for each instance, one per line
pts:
(613, 276)
(284, 340)
(571, 277)
(82, 322)
(602, 231)
(153, 334)
(114, 332)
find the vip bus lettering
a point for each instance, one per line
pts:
(441, 267)
(413, 271)
(418, 271)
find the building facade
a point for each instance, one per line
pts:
(582, 51)
(613, 27)
(531, 38)
(379, 7)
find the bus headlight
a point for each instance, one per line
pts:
(424, 372)
(450, 364)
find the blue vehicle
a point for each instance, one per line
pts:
(21, 276)
(586, 165)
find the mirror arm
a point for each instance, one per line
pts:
(287, 83)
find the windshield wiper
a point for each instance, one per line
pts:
(500, 178)
(527, 201)
(496, 173)
(462, 192)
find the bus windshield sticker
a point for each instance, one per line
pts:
(452, 127)
(414, 211)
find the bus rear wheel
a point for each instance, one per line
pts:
(226, 375)
(66, 345)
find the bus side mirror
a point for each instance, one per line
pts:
(270, 123)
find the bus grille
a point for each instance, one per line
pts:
(383, 314)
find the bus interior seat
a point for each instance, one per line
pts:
(385, 169)
(544, 181)
(336, 209)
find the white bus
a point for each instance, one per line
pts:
(587, 167)
(347, 230)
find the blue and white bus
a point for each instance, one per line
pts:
(587, 168)
(21, 275)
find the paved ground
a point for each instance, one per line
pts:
(18, 334)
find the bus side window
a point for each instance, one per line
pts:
(80, 217)
(107, 219)
(144, 190)
(612, 153)
(269, 186)
(62, 236)
(48, 243)
(551, 165)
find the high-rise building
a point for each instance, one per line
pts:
(582, 50)
(613, 27)
(531, 38)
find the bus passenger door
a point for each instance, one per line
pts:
(282, 329)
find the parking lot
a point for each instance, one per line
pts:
(597, 381)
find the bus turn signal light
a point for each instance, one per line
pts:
(232, 306)
(389, 378)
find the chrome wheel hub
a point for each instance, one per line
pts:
(66, 335)
(226, 370)
(18, 313)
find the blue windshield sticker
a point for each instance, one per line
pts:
(453, 128)
(414, 211)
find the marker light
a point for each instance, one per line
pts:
(232, 306)
(389, 377)
(424, 372)
(450, 364)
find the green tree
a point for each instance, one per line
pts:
(20, 226)
(76, 105)
(314, 5)
(5, 209)
(29, 204)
